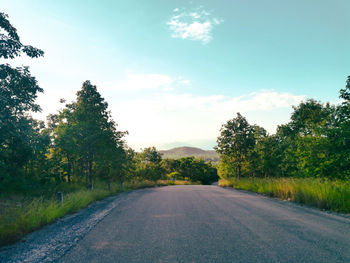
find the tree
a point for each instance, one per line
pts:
(266, 157)
(236, 140)
(197, 170)
(170, 165)
(10, 44)
(87, 135)
(309, 118)
(345, 92)
(18, 91)
(339, 137)
(151, 154)
(149, 164)
(253, 157)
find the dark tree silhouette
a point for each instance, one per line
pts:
(10, 44)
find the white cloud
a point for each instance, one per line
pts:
(264, 101)
(140, 82)
(194, 25)
(256, 101)
(183, 81)
(165, 117)
(137, 82)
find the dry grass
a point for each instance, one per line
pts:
(20, 215)
(329, 195)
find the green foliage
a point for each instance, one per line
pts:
(345, 93)
(237, 138)
(170, 165)
(20, 218)
(151, 155)
(11, 45)
(148, 165)
(196, 170)
(86, 139)
(315, 143)
(19, 135)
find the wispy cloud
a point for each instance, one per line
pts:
(256, 101)
(169, 117)
(134, 82)
(193, 24)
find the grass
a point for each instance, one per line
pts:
(324, 194)
(20, 215)
(176, 182)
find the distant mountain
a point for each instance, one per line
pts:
(187, 151)
(206, 144)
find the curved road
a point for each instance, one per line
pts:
(212, 224)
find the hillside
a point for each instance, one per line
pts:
(186, 151)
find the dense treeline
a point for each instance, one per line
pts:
(149, 165)
(79, 144)
(315, 143)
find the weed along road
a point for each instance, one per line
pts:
(213, 224)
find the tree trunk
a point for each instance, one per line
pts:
(238, 171)
(69, 169)
(90, 170)
(87, 173)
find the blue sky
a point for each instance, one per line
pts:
(174, 71)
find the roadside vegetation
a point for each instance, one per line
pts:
(20, 215)
(307, 160)
(323, 194)
(78, 151)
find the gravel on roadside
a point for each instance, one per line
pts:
(53, 241)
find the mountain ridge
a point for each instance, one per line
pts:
(186, 151)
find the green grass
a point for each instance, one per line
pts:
(328, 195)
(20, 215)
(176, 182)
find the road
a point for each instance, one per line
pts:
(212, 224)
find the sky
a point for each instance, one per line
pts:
(173, 72)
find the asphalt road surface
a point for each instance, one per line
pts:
(212, 224)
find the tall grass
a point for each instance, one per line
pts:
(30, 213)
(324, 194)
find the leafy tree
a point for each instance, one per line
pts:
(151, 154)
(268, 156)
(10, 45)
(18, 91)
(309, 118)
(87, 137)
(226, 167)
(197, 170)
(345, 92)
(236, 140)
(130, 164)
(170, 165)
(315, 143)
(339, 137)
(149, 166)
